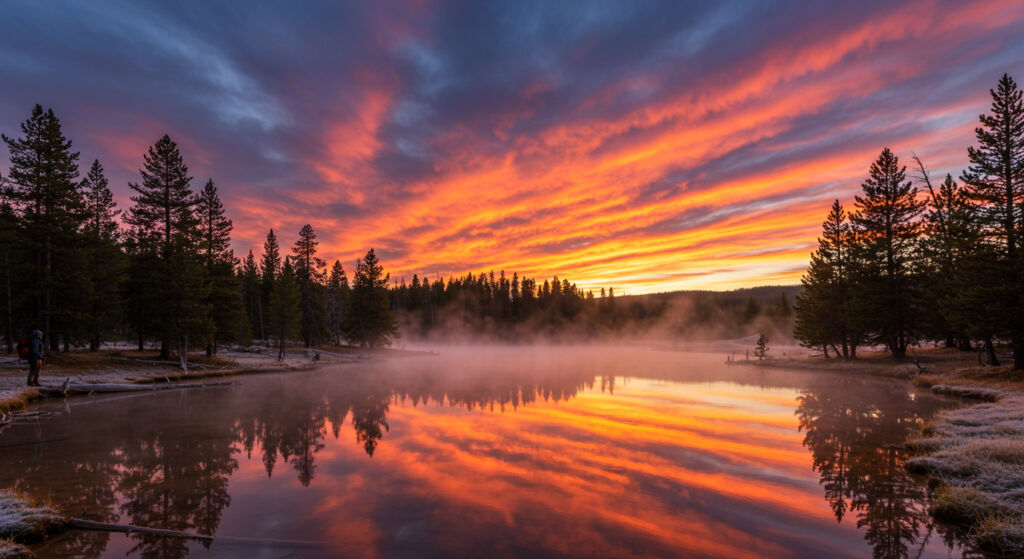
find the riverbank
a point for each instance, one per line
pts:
(972, 456)
(127, 366)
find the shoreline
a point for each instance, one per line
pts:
(973, 455)
(114, 366)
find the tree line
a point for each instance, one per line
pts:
(942, 262)
(498, 307)
(169, 276)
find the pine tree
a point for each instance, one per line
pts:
(250, 278)
(951, 237)
(824, 314)
(761, 347)
(338, 293)
(284, 306)
(369, 320)
(214, 248)
(310, 274)
(10, 240)
(105, 259)
(995, 182)
(270, 267)
(169, 268)
(887, 230)
(45, 195)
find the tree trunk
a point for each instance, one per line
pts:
(990, 351)
(1018, 354)
(10, 308)
(165, 349)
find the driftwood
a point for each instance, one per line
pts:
(82, 524)
(172, 363)
(98, 388)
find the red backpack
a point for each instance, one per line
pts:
(23, 348)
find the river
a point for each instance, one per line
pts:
(492, 452)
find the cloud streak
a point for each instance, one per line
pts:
(649, 147)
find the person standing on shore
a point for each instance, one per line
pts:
(36, 356)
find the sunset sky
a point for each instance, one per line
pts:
(645, 146)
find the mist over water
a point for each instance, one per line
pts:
(496, 451)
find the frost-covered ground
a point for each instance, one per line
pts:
(977, 453)
(121, 365)
(21, 521)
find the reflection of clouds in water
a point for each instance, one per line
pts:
(498, 451)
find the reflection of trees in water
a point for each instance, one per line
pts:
(854, 429)
(169, 464)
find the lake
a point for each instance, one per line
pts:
(492, 452)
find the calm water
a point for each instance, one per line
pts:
(492, 453)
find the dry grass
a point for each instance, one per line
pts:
(22, 521)
(1003, 534)
(15, 400)
(976, 454)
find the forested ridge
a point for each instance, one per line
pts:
(919, 258)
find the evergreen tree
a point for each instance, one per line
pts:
(338, 292)
(10, 240)
(995, 182)
(270, 267)
(761, 347)
(166, 230)
(251, 292)
(310, 274)
(106, 262)
(214, 248)
(284, 306)
(45, 195)
(951, 237)
(824, 309)
(887, 230)
(369, 320)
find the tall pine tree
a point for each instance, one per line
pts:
(309, 270)
(270, 267)
(44, 192)
(338, 293)
(167, 267)
(214, 248)
(824, 314)
(369, 321)
(995, 182)
(887, 227)
(284, 306)
(106, 263)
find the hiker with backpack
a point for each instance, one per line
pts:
(36, 356)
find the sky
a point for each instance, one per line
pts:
(645, 146)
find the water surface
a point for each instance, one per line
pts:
(498, 452)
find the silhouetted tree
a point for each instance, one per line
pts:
(369, 320)
(310, 274)
(166, 229)
(224, 291)
(106, 262)
(886, 227)
(44, 192)
(995, 182)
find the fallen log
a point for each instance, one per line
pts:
(104, 388)
(83, 524)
